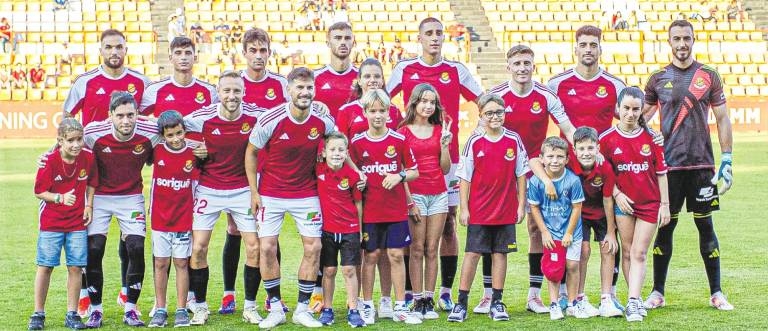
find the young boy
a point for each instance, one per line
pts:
(66, 208)
(342, 208)
(559, 221)
(492, 169)
(174, 177)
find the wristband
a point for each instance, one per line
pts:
(57, 199)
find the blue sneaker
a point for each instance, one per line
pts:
(36, 321)
(73, 321)
(131, 318)
(409, 300)
(95, 319)
(228, 305)
(563, 302)
(617, 304)
(326, 316)
(445, 302)
(458, 314)
(354, 319)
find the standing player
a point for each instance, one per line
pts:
(493, 168)
(335, 81)
(383, 155)
(122, 145)
(684, 91)
(291, 135)
(223, 187)
(452, 80)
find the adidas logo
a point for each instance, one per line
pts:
(407, 238)
(321, 177)
(326, 86)
(617, 151)
(106, 150)
(668, 85)
(572, 92)
(415, 76)
(136, 286)
(657, 251)
(365, 153)
(481, 154)
(358, 119)
(284, 136)
(58, 178)
(161, 163)
(216, 132)
(715, 254)
(170, 98)
(101, 91)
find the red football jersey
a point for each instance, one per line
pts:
(167, 94)
(588, 102)
(636, 161)
(291, 152)
(389, 154)
(119, 163)
(596, 185)
(59, 177)
(226, 141)
(174, 176)
(338, 193)
(431, 180)
(350, 120)
(529, 114)
(91, 91)
(268, 92)
(334, 89)
(492, 168)
(452, 80)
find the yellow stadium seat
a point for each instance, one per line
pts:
(49, 94)
(633, 80)
(551, 58)
(5, 94)
(716, 58)
(724, 69)
(738, 91)
(763, 90)
(758, 58)
(731, 58)
(753, 91)
(641, 69)
(18, 95)
(758, 80)
(737, 68)
(745, 80)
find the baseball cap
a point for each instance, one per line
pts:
(553, 262)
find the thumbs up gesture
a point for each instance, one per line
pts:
(68, 199)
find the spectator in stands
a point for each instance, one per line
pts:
(173, 28)
(705, 12)
(396, 52)
(381, 53)
(735, 11)
(64, 60)
(181, 20)
(620, 23)
(236, 36)
(221, 33)
(199, 38)
(37, 76)
(632, 21)
(287, 54)
(369, 51)
(605, 22)
(19, 77)
(5, 77)
(5, 33)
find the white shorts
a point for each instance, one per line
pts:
(305, 212)
(431, 204)
(172, 244)
(128, 209)
(452, 182)
(573, 252)
(210, 203)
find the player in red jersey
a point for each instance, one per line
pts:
(91, 91)
(683, 92)
(264, 88)
(643, 200)
(452, 80)
(341, 204)
(493, 168)
(181, 91)
(223, 187)
(426, 131)
(174, 177)
(335, 81)
(384, 156)
(66, 208)
(122, 145)
(291, 135)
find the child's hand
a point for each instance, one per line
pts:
(200, 151)
(609, 245)
(390, 180)
(521, 214)
(624, 203)
(549, 189)
(664, 215)
(567, 239)
(415, 213)
(464, 217)
(362, 182)
(255, 205)
(68, 199)
(546, 240)
(446, 136)
(87, 215)
(42, 160)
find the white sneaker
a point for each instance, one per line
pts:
(385, 308)
(274, 318)
(535, 305)
(484, 307)
(654, 300)
(200, 315)
(633, 311)
(368, 313)
(403, 315)
(588, 307)
(555, 313)
(720, 302)
(305, 318)
(153, 310)
(251, 315)
(577, 311)
(608, 309)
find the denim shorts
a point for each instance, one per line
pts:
(75, 244)
(431, 204)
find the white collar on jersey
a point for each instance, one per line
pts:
(104, 73)
(421, 61)
(580, 77)
(177, 84)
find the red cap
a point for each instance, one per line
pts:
(553, 262)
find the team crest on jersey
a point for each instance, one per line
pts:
(510, 154)
(131, 89)
(391, 152)
(597, 181)
(445, 78)
(138, 149)
(83, 175)
(354, 83)
(200, 97)
(313, 134)
(536, 107)
(245, 128)
(270, 94)
(645, 150)
(700, 84)
(188, 166)
(344, 184)
(602, 92)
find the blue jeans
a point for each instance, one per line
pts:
(75, 244)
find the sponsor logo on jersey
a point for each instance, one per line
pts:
(188, 166)
(358, 119)
(131, 89)
(106, 150)
(58, 178)
(617, 151)
(602, 92)
(536, 107)
(170, 98)
(200, 97)
(391, 152)
(245, 128)
(173, 183)
(101, 91)
(138, 216)
(83, 175)
(706, 192)
(216, 132)
(379, 167)
(445, 78)
(270, 94)
(284, 136)
(572, 92)
(138, 149)
(700, 84)
(634, 167)
(645, 150)
(415, 76)
(326, 86)
(510, 155)
(344, 184)
(668, 85)
(314, 217)
(313, 134)
(597, 181)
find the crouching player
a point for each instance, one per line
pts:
(342, 208)
(559, 221)
(492, 168)
(61, 186)
(171, 200)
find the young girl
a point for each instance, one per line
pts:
(428, 137)
(66, 208)
(642, 201)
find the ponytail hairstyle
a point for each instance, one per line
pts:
(357, 88)
(635, 92)
(410, 108)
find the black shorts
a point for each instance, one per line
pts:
(694, 187)
(346, 244)
(600, 227)
(484, 239)
(386, 235)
